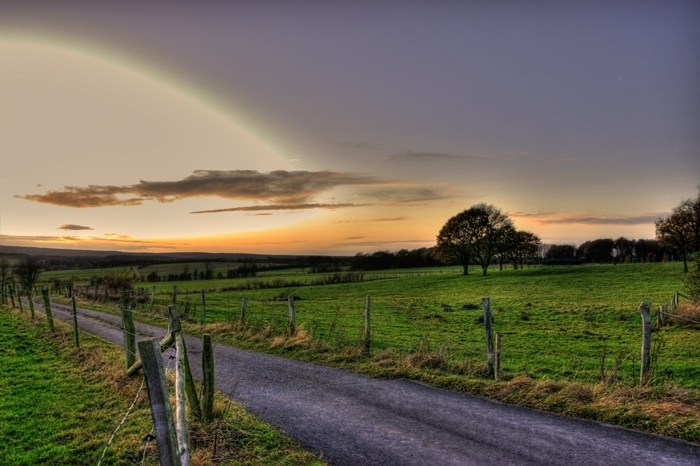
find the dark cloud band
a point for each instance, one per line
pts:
(280, 186)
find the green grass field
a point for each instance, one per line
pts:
(556, 322)
(571, 336)
(59, 406)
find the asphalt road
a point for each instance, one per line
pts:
(350, 419)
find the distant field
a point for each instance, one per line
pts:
(563, 323)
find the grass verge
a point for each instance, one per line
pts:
(59, 405)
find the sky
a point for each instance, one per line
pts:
(334, 128)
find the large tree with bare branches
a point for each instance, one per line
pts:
(474, 235)
(680, 231)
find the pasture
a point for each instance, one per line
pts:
(578, 323)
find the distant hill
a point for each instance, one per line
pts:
(55, 258)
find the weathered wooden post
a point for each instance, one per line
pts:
(161, 413)
(292, 324)
(12, 295)
(497, 368)
(179, 340)
(367, 336)
(675, 300)
(244, 304)
(153, 295)
(174, 302)
(488, 328)
(204, 304)
(129, 330)
(19, 299)
(659, 317)
(646, 342)
(183, 440)
(75, 324)
(31, 301)
(207, 378)
(47, 309)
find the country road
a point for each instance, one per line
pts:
(350, 419)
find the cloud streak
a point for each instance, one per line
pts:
(257, 208)
(73, 227)
(432, 156)
(587, 218)
(280, 186)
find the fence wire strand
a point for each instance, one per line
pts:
(128, 411)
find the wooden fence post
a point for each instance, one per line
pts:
(183, 440)
(153, 295)
(159, 400)
(129, 330)
(12, 295)
(497, 368)
(47, 309)
(207, 378)
(675, 300)
(204, 304)
(2, 290)
(368, 305)
(659, 317)
(488, 328)
(646, 342)
(31, 302)
(19, 299)
(244, 304)
(174, 295)
(190, 389)
(292, 324)
(75, 324)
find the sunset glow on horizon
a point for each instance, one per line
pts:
(328, 129)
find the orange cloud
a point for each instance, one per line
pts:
(73, 227)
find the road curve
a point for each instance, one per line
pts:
(350, 419)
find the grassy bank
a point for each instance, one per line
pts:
(59, 405)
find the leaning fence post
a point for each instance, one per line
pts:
(129, 330)
(292, 325)
(203, 307)
(488, 328)
(161, 413)
(659, 317)
(207, 378)
(75, 324)
(47, 308)
(368, 305)
(497, 368)
(646, 342)
(244, 304)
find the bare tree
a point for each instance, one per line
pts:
(474, 235)
(27, 272)
(680, 231)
